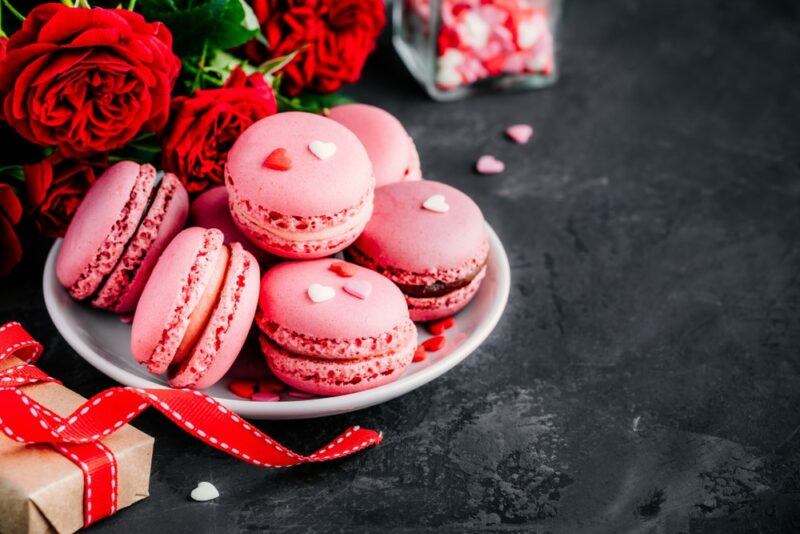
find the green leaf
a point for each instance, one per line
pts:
(145, 148)
(223, 23)
(13, 171)
(271, 66)
(237, 26)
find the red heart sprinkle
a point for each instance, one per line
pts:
(342, 268)
(419, 355)
(438, 327)
(433, 344)
(278, 160)
(243, 388)
(270, 385)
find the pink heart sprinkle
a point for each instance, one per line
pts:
(490, 165)
(266, 396)
(126, 319)
(358, 288)
(299, 394)
(520, 133)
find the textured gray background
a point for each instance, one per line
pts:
(652, 227)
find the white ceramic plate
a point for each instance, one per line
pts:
(104, 341)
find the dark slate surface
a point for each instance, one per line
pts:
(646, 374)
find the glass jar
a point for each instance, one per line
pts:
(456, 47)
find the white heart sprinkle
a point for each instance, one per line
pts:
(320, 293)
(321, 149)
(436, 203)
(205, 491)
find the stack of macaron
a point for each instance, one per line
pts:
(299, 188)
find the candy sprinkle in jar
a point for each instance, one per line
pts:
(457, 47)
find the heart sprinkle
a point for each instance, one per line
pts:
(265, 396)
(243, 388)
(358, 288)
(433, 344)
(270, 385)
(278, 160)
(419, 355)
(321, 149)
(342, 268)
(489, 165)
(205, 491)
(320, 293)
(438, 327)
(436, 203)
(520, 133)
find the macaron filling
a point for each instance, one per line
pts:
(358, 218)
(108, 255)
(420, 286)
(193, 290)
(115, 285)
(198, 318)
(431, 308)
(289, 235)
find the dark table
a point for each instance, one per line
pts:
(646, 374)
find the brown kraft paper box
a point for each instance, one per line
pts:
(42, 491)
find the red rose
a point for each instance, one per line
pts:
(3, 45)
(334, 38)
(56, 185)
(205, 125)
(87, 80)
(10, 214)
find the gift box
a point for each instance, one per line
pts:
(42, 490)
(67, 462)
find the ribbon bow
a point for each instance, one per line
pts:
(78, 436)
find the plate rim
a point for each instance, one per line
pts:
(309, 408)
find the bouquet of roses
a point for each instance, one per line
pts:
(167, 81)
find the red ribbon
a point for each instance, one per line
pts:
(78, 436)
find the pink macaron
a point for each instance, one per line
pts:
(430, 239)
(118, 233)
(392, 151)
(196, 310)
(300, 185)
(330, 334)
(210, 210)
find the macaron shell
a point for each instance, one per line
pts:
(103, 223)
(312, 186)
(284, 301)
(388, 145)
(163, 220)
(431, 309)
(173, 290)
(338, 377)
(227, 327)
(403, 235)
(210, 210)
